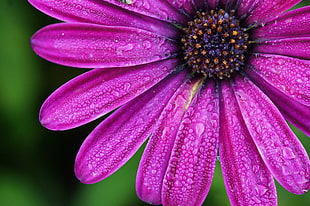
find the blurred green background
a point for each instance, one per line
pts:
(36, 165)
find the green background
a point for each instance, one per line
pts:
(36, 165)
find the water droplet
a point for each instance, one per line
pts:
(190, 181)
(261, 190)
(255, 168)
(126, 1)
(146, 5)
(126, 86)
(128, 47)
(115, 93)
(147, 44)
(177, 183)
(288, 153)
(199, 129)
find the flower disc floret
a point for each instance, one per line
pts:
(214, 44)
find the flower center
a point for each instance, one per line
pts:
(214, 44)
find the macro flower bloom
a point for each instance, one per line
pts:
(198, 79)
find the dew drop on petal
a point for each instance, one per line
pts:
(115, 93)
(127, 86)
(199, 129)
(147, 44)
(255, 168)
(288, 153)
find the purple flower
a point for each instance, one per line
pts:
(199, 79)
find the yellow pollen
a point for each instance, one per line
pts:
(198, 46)
(232, 41)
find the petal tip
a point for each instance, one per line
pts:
(48, 123)
(83, 174)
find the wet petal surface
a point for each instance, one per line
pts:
(293, 47)
(292, 24)
(290, 75)
(247, 180)
(155, 158)
(186, 5)
(192, 162)
(154, 8)
(101, 12)
(295, 112)
(263, 10)
(90, 45)
(94, 93)
(246, 7)
(280, 149)
(118, 137)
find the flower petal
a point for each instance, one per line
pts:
(280, 149)
(246, 6)
(191, 166)
(229, 4)
(94, 93)
(292, 24)
(118, 137)
(294, 47)
(264, 10)
(290, 75)
(212, 3)
(154, 8)
(247, 180)
(155, 158)
(296, 113)
(286, 81)
(101, 12)
(90, 45)
(186, 5)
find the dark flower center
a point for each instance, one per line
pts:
(214, 44)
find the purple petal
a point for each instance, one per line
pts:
(186, 5)
(153, 8)
(90, 45)
(229, 4)
(191, 166)
(101, 12)
(294, 47)
(246, 7)
(94, 93)
(155, 158)
(292, 24)
(280, 149)
(296, 113)
(213, 3)
(290, 75)
(264, 10)
(119, 136)
(247, 180)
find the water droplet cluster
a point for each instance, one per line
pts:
(214, 44)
